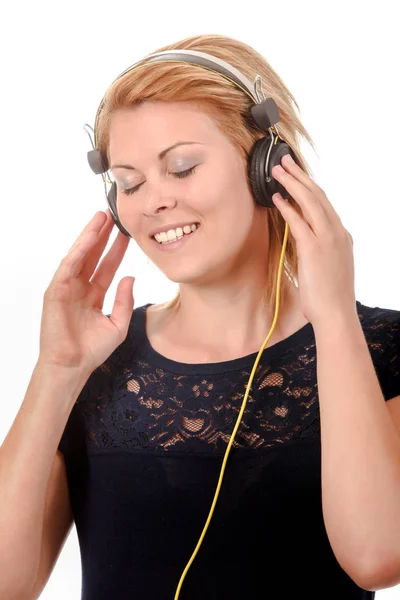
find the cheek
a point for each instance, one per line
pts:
(128, 216)
(224, 201)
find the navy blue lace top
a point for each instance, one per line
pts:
(144, 445)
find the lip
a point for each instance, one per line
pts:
(178, 244)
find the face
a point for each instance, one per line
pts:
(213, 192)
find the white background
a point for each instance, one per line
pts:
(340, 60)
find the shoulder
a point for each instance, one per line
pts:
(381, 328)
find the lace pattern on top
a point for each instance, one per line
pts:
(130, 403)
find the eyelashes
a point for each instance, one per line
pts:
(180, 175)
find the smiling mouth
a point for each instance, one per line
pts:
(177, 242)
(177, 239)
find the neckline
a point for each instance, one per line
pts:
(142, 342)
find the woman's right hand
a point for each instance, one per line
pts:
(74, 332)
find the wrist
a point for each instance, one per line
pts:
(58, 372)
(336, 324)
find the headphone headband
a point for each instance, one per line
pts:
(202, 59)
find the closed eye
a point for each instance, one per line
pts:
(179, 174)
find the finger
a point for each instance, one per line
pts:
(71, 264)
(309, 183)
(298, 227)
(310, 205)
(107, 268)
(123, 305)
(95, 224)
(97, 250)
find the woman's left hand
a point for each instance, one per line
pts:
(324, 246)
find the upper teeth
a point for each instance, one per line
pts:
(172, 234)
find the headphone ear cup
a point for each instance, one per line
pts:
(262, 189)
(112, 205)
(258, 151)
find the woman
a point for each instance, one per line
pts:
(145, 400)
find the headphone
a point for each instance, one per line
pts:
(264, 155)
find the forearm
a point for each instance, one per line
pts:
(26, 458)
(360, 451)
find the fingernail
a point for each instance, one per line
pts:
(277, 197)
(288, 159)
(278, 170)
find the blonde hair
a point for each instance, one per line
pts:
(230, 107)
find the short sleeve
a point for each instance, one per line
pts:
(390, 380)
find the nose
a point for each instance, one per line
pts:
(158, 196)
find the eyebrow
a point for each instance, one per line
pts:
(160, 156)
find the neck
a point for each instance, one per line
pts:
(238, 323)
